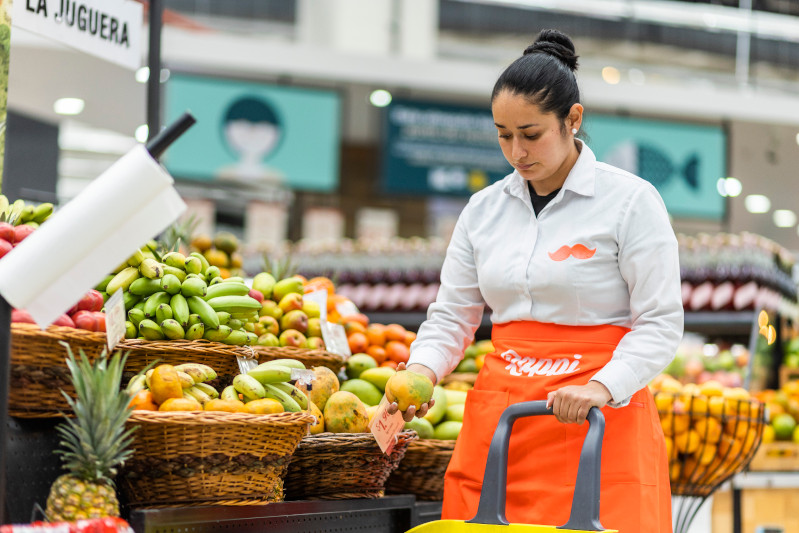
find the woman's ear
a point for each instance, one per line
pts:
(575, 117)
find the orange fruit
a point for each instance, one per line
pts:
(395, 332)
(709, 429)
(332, 301)
(180, 404)
(224, 273)
(410, 336)
(143, 400)
(389, 363)
(351, 327)
(397, 351)
(688, 441)
(360, 318)
(706, 455)
(674, 424)
(319, 283)
(376, 334)
(378, 353)
(358, 342)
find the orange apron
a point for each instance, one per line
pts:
(532, 359)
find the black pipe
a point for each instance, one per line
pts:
(159, 143)
(5, 364)
(154, 63)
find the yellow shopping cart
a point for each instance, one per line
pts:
(490, 517)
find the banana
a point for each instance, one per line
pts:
(130, 300)
(3, 206)
(180, 309)
(207, 314)
(224, 317)
(130, 330)
(14, 211)
(212, 272)
(194, 318)
(290, 363)
(234, 279)
(136, 315)
(250, 387)
(147, 377)
(236, 337)
(193, 287)
(172, 330)
(235, 323)
(217, 334)
(270, 373)
(42, 212)
(171, 284)
(288, 403)
(122, 280)
(207, 389)
(104, 295)
(186, 380)
(198, 276)
(229, 393)
(136, 259)
(150, 330)
(151, 304)
(150, 268)
(136, 384)
(103, 284)
(198, 371)
(248, 316)
(163, 312)
(194, 332)
(177, 272)
(193, 265)
(215, 280)
(26, 215)
(145, 286)
(210, 373)
(203, 261)
(32, 224)
(234, 304)
(296, 394)
(252, 339)
(198, 395)
(175, 260)
(227, 289)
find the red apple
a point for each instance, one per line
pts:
(5, 247)
(7, 232)
(21, 233)
(99, 321)
(91, 301)
(20, 315)
(64, 321)
(84, 320)
(257, 295)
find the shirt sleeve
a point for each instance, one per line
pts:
(649, 263)
(457, 312)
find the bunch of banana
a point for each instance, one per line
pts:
(172, 296)
(270, 380)
(193, 377)
(18, 212)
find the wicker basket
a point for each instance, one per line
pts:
(339, 466)
(467, 378)
(39, 371)
(210, 457)
(421, 471)
(310, 358)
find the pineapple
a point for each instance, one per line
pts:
(94, 443)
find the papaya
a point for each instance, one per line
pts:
(345, 413)
(263, 406)
(228, 406)
(319, 425)
(165, 384)
(409, 388)
(324, 384)
(180, 404)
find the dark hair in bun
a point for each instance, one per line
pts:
(544, 74)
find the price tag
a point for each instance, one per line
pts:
(335, 339)
(347, 308)
(302, 377)
(114, 320)
(385, 426)
(320, 297)
(247, 363)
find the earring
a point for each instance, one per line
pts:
(574, 131)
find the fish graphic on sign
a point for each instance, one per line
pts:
(652, 164)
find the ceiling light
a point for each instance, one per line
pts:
(784, 218)
(143, 74)
(68, 106)
(797, 138)
(637, 76)
(721, 186)
(611, 75)
(142, 132)
(757, 203)
(380, 98)
(733, 187)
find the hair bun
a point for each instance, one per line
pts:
(557, 44)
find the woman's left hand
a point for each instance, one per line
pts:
(571, 404)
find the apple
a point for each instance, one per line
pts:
(7, 232)
(5, 247)
(291, 302)
(91, 301)
(20, 315)
(268, 339)
(256, 295)
(84, 320)
(311, 308)
(270, 308)
(263, 283)
(315, 343)
(270, 325)
(314, 327)
(64, 321)
(21, 233)
(286, 286)
(295, 319)
(292, 337)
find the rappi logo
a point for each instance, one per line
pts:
(531, 366)
(579, 251)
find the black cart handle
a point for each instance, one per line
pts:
(585, 502)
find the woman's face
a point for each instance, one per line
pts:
(536, 144)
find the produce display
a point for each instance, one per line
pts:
(783, 409)
(93, 525)
(18, 220)
(697, 361)
(220, 251)
(86, 314)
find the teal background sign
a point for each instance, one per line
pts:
(248, 132)
(683, 161)
(437, 149)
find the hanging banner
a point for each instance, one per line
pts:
(5, 46)
(108, 29)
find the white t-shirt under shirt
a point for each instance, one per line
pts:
(499, 255)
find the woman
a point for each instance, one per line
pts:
(578, 262)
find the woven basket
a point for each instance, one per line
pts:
(460, 377)
(216, 458)
(421, 471)
(339, 466)
(310, 358)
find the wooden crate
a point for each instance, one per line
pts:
(762, 509)
(776, 457)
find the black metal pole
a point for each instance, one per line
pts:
(154, 64)
(5, 364)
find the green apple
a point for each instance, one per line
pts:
(264, 283)
(287, 286)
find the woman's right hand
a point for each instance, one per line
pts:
(412, 411)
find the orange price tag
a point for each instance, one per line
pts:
(386, 426)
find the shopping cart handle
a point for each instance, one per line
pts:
(585, 503)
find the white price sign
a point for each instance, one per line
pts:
(114, 320)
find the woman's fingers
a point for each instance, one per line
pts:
(409, 414)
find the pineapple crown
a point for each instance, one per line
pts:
(95, 442)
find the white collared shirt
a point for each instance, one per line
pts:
(499, 255)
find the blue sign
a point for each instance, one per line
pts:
(440, 149)
(253, 133)
(683, 161)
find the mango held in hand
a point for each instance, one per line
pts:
(409, 388)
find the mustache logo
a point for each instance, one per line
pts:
(579, 251)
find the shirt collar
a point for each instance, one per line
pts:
(580, 180)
